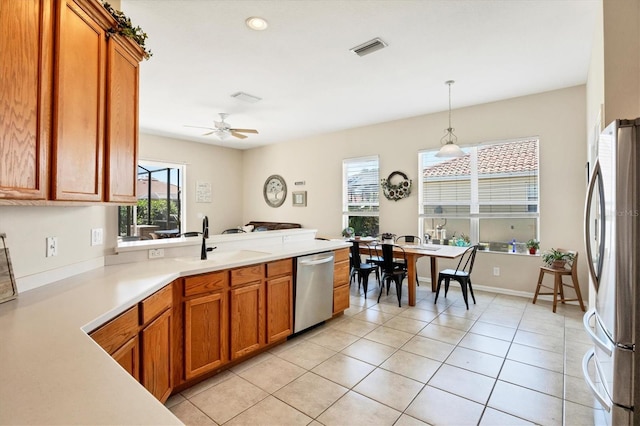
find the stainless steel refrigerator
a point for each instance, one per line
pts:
(612, 238)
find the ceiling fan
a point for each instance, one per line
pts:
(223, 129)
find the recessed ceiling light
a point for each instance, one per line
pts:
(256, 23)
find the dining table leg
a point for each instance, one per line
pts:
(411, 278)
(434, 272)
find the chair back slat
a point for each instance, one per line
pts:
(469, 258)
(409, 239)
(387, 255)
(355, 253)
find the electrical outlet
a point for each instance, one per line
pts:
(496, 271)
(97, 237)
(52, 246)
(156, 253)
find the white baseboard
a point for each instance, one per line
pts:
(40, 279)
(506, 291)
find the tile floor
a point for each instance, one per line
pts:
(504, 361)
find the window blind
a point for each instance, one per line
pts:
(361, 185)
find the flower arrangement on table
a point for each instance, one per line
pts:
(396, 191)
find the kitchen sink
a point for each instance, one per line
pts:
(218, 257)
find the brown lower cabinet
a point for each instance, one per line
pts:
(205, 328)
(140, 341)
(198, 324)
(128, 356)
(156, 356)
(341, 272)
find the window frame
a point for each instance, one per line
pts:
(345, 190)
(143, 163)
(475, 216)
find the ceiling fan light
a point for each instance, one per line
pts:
(450, 150)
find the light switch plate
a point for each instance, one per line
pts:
(156, 253)
(97, 238)
(52, 246)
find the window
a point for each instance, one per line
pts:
(360, 189)
(491, 194)
(159, 211)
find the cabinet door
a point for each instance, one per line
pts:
(247, 319)
(122, 123)
(78, 107)
(205, 334)
(340, 299)
(279, 308)
(156, 357)
(26, 43)
(128, 356)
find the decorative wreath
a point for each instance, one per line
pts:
(397, 191)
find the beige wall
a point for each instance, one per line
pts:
(557, 117)
(621, 32)
(221, 167)
(28, 227)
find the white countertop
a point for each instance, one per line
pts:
(52, 372)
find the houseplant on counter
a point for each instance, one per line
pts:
(556, 259)
(533, 245)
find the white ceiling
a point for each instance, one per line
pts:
(309, 81)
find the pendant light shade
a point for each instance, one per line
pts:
(449, 147)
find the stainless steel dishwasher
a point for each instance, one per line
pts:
(313, 290)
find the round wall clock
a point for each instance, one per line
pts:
(275, 190)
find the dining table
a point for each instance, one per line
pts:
(415, 251)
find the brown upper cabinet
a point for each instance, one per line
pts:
(26, 43)
(70, 107)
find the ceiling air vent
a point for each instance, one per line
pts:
(369, 47)
(246, 97)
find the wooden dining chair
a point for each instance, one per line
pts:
(411, 239)
(559, 284)
(462, 274)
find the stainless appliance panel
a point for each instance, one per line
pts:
(617, 157)
(609, 414)
(615, 365)
(613, 256)
(313, 290)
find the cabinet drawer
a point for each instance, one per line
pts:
(340, 299)
(155, 304)
(202, 284)
(341, 274)
(279, 267)
(340, 255)
(118, 331)
(247, 274)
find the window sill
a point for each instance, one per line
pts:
(510, 253)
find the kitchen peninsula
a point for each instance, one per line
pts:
(54, 373)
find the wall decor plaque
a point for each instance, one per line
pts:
(274, 190)
(8, 290)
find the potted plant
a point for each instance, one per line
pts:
(556, 259)
(533, 245)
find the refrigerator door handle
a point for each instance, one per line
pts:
(585, 372)
(596, 178)
(599, 343)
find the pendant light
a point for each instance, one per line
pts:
(449, 149)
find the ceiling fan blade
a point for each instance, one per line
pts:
(238, 135)
(200, 127)
(209, 133)
(244, 130)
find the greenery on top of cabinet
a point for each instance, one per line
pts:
(126, 29)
